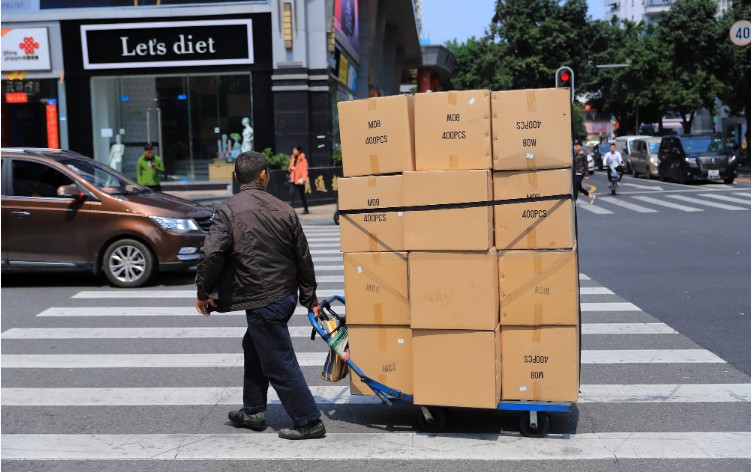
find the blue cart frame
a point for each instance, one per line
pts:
(433, 419)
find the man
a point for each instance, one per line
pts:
(613, 160)
(255, 258)
(581, 172)
(148, 168)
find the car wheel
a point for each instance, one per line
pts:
(730, 180)
(128, 263)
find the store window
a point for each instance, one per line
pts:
(191, 120)
(25, 116)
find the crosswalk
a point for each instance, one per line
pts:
(145, 353)
(655, 202)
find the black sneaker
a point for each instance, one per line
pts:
(314, 430)
(254, 421)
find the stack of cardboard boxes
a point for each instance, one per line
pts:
(454, 294)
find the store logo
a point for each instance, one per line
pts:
(29, 45)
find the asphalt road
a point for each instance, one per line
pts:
(96, 378)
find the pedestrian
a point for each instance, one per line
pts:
(256, 258)
(581, 173)
(298, 175)
(148, 168)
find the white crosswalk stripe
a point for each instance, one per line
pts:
(743, 194)
(726, 198)
(698, 201)
(675, 206)
(594, 209)
(627, 205)
(145, 311)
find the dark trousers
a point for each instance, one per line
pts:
(300, 189)
(270, 358)
(578, 180)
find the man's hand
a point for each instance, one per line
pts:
(202, 306)
(316, 311)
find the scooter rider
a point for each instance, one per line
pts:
(613, 160)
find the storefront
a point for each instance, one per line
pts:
(198, 91)
(31, 86)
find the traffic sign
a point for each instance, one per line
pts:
(740, 33)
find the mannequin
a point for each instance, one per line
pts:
(116, 153)
(247, 135)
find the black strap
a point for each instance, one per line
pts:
(451, 206)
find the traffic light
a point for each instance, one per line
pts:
(564, 77)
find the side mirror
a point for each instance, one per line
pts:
(71, 191)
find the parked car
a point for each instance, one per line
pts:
(644, 157)
(624, 145)
(61, 210)
(590, 164)
(691, 158)
(598, 151)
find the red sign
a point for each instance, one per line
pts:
(53, 136)
(16, 97)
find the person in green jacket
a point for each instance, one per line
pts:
(148, 168)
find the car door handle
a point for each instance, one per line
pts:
(20, 213)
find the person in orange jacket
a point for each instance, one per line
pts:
(298, 175)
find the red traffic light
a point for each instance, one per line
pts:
(565, 76)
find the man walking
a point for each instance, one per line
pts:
(148, 168)
(581, 172)
(255, 258)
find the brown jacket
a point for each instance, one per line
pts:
(255, 254)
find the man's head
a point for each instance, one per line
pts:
(148, 151)
(612, 147)
(578, 145)
(250, 167)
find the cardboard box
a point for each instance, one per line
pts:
(457, 368)
(531, 129)
(452, 130)
(460, 229)
(375, 287)
(539, 288)
(454, 290)
(377, 135)
(540, 364)
(368, 232)
(384, 353)
(534, 225)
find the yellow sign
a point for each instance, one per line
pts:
(334, 184)
(343, 67)
(320, 184)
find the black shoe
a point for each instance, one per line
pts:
(305, 212)
(314, 430)
(254, 421)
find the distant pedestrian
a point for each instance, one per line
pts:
(581, 172)
(613, 160)
(298, 176)
(256, 258)
(148, 168)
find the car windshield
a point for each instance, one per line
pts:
(104, 178)
(654, 147)
(702, 144)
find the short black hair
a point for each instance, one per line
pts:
(612, 144)
(579, 143)
(148, 147)
(249, 165)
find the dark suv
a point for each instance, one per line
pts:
(691, 158)
(61, 210)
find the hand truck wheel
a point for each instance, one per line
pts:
(431, 420)
(534, 424)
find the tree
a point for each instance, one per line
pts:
(478, 65)
(691, 34)
(737, 68)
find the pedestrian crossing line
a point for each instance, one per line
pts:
(312, 359)
(314, 252)
(340, 395)
(323, 240)
(743, 194)
(145, 311)
(674, 206)
(128, 294)
(322, 279)
(316, 260)
(583, 277)
(208, 332)
(726, 198)
(594, 209)
(705, 203)
(408, 446)
(316, 246)
(595, 291)
(329, 268)
(627, 205)
(609, 306)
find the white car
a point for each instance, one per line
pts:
(590, 164)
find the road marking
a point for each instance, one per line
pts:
(308, 359)
(594, 209)
(323, 240)
(322, 279)
(610, 306)
(315, 252)
(704, 202)
(627, 328)
(645, 187)
(316, 246)
(629, 206)
(379, 446)
(583, 277)
(650, 356)
(127, 294)
(340, 395)
(329, 268)
(206, 332)
(675, 206)
(316, 260)
(743, 194)
(595, 291)
(145, 311)
(726, 198)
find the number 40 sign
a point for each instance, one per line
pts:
(740, 33)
